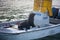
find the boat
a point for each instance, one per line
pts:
(30, 34)
(10, 30)
(13, 33)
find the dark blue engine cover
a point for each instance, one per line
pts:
(55, 12)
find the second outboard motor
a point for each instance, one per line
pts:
(58, 14)
(55, 12)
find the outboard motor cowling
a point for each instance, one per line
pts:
(41, 19)
(55, 12)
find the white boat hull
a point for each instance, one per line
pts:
(29, 35)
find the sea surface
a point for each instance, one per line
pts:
(16, 8)
(20, 9)
(53, 37)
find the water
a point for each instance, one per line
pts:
(20, 9)
(15, 8)
(54, 37)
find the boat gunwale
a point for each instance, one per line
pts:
(28, 31)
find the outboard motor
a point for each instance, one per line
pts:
(38, 19)
(58, 14)
(41, 19)
(55, 12)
